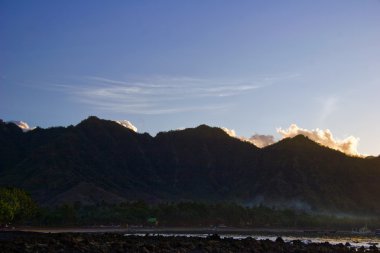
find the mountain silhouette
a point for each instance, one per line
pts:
(100, 160)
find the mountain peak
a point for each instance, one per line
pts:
(90, 119)
(299, 140)
(301, 144)
(206, 130)
(303, 139)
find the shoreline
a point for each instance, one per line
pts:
(100, 241)
(190, 230)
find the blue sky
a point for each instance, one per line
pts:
(252, 66)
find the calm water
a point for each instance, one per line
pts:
(354, 241)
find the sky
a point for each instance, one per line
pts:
(256, 67)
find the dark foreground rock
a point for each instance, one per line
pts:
(114, 242)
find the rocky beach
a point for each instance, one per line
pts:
(18, 241)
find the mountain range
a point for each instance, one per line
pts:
(101, 160)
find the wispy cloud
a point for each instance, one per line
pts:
(160, 94)
(328, 106)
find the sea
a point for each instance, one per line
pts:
(354, 241)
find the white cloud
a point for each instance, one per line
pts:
(127, 124)
(324, 137)
(230, 132)
(23, 125)
(257, 139)
(261, 140)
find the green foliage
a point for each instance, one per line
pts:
(15, 205)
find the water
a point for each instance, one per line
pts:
(354, 241)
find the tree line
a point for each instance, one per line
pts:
(16, 206)
(195, 214)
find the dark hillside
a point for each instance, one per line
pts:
(100, 160)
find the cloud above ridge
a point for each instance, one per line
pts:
(127, 124)
(230, 132)
(258, 140)
(324, 137)
(261, 140)
(348, 145)
(23, 125)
